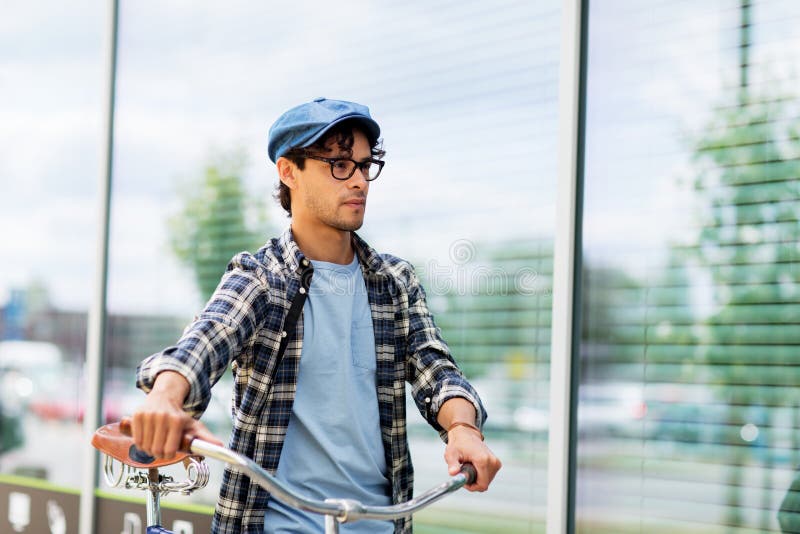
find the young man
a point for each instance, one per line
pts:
(322, 333)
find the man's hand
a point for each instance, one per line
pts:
(465, 443)
(160, 423)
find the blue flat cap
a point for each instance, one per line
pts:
(302, 126)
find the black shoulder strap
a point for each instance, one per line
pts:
(296, 308)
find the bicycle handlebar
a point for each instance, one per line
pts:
(345, 510)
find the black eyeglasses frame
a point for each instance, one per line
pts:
(360, 165)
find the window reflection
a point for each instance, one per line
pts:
(453, 88)
(690, 271)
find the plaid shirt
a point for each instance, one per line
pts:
(242, 324)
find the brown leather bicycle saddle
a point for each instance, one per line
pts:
(110, 440)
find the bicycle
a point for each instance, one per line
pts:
(141, 471)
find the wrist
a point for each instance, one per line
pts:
(466, 425)
(171, 385)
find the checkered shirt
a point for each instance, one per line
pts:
(242, 325)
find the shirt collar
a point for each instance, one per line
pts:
(367, 256)
(293, 258)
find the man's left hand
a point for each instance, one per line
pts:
(464, 444)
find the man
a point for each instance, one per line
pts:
(322, 333)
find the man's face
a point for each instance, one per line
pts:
(322, 199)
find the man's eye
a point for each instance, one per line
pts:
(341, 164)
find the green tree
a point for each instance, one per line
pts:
(216, 220)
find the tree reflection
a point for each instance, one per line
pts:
(217, 219)
(749, 160)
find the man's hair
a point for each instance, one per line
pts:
(343, 134)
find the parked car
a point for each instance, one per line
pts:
(23, 364)
(27, 370)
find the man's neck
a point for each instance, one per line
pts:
(324, 243)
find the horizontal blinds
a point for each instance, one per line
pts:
(689, 403)
(505, 313)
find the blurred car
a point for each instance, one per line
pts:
(63, 399)
(604, 409)
(27, 371)
(611, 409)
(36, 380)
(22, 366)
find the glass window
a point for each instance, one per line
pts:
(688, 403)
(466, 97)
(51, 59)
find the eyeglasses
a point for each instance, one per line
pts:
(344, 168)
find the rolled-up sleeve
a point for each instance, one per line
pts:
(433, 374)
(216, 336)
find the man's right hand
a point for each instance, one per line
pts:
(159, 424)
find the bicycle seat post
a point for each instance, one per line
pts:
(153, 497)
(331, 524)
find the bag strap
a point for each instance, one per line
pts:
(296, 308)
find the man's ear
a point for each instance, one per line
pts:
(287, 172)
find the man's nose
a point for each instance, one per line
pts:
(359, 179)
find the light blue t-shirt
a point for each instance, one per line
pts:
(333, 446)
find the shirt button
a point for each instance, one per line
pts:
(305, 262)
(427, 399)
(302, 291)
(283, 334)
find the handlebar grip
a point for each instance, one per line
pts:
(185, 445)
(469, 472)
